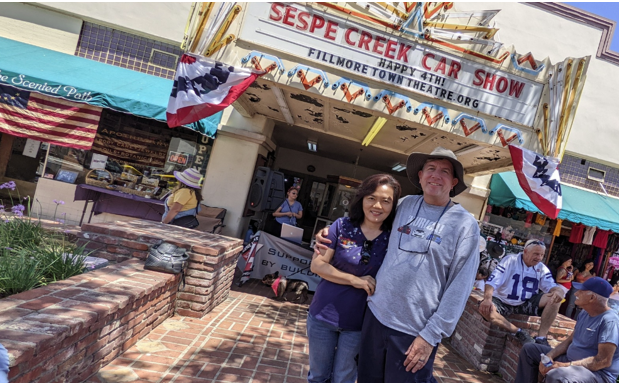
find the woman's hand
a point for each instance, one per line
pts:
(366, 283)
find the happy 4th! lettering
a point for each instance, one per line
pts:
(66, 91)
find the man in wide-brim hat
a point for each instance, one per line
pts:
(426, 277)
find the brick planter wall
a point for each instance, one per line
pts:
(212, 257)
(488, 347)
(509, 361)
(66, 331)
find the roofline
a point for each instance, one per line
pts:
(576, 14)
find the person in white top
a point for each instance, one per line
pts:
(513, 288)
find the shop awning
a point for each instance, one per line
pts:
(580, 206)
(78, 79)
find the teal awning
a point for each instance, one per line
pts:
(78, 79)
(580, 206)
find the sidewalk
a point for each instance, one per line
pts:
(249, 338)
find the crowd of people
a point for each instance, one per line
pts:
(398, 272)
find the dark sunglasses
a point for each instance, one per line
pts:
(366, 252)
(535, 243)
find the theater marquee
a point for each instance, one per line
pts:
(313, 35)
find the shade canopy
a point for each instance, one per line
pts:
(78, 79)
(579, 206)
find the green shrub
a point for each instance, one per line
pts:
(20, 272)
(63, 260)
(31, 257)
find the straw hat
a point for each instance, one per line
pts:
(416, 161)
(190, 177)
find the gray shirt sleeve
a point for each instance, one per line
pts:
(4, 364)
(458, 289)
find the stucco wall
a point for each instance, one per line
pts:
(164, 20)
(227, 180)
(41, 27)
(548, 35)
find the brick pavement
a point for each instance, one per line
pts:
(249, 338)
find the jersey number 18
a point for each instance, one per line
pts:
(529, 285)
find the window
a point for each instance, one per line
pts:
(596, 175)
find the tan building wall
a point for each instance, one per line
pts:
(33, 25)
(163, 20)
(546, 34)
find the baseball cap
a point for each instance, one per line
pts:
(596, 284)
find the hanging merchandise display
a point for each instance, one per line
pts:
(588, 237)
(557, 231)
(577, 232)
(601, 238)
(540, 219)
(529, 219)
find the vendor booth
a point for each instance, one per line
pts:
(82, 130)
(586, 229)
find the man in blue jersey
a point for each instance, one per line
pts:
(514, 288)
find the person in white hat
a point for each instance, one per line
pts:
(426, 276)
(184, 201)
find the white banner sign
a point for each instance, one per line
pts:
(98, 161)
(270, 254)
(336, 42)
(31, 149)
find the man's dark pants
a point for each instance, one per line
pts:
(381, 358)
(528, 368)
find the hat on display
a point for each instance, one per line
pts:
(416, 161)
(190, 177)
(596, 284)
(495, 250)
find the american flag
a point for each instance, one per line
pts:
(47, 119)
(203, 87)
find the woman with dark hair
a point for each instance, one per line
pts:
(289, 211)
(564, 273)
(348, 268)
(585, 271)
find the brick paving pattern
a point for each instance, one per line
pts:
(249, 338)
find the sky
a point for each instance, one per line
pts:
(607, 10)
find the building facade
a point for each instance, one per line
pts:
(348, 78)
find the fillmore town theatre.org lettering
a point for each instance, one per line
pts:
(413, 79)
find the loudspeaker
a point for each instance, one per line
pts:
(267, 190)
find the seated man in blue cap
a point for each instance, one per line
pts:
(589, 354)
